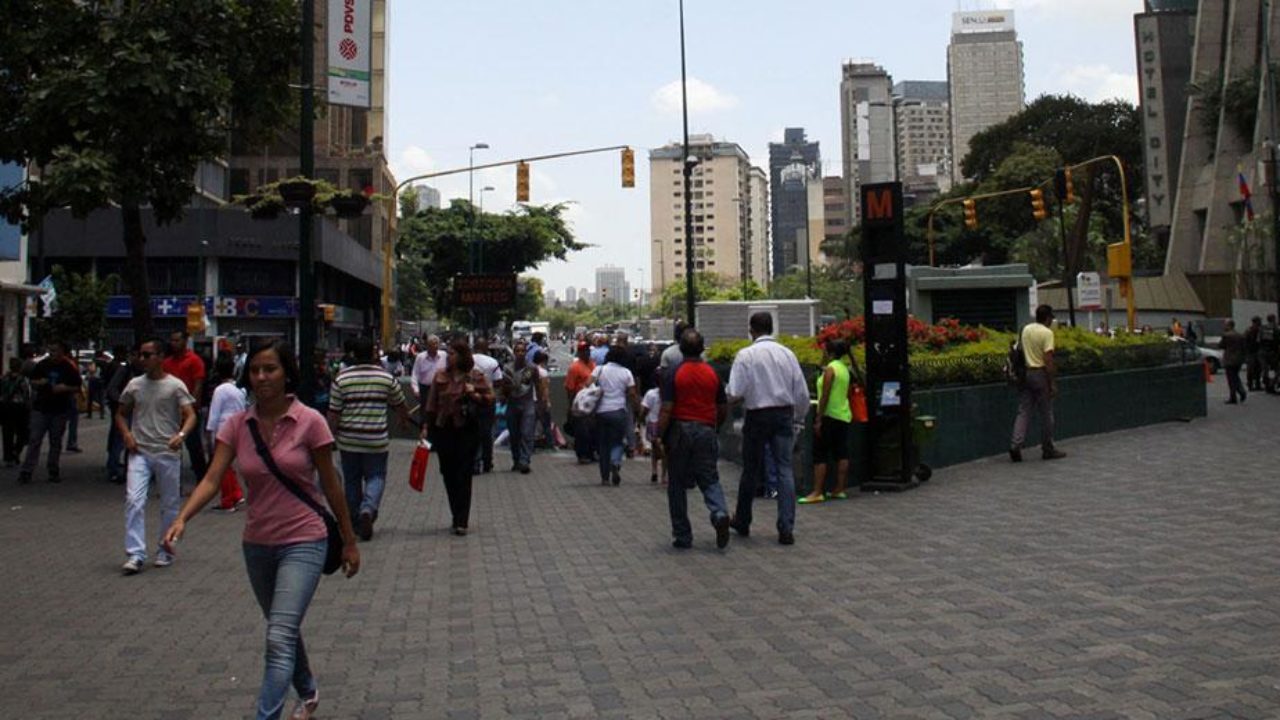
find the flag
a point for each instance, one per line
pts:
(1246, 196)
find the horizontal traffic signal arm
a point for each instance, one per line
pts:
(468, 168)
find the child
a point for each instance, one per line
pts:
(652, 403)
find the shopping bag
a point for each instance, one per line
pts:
(858, 403)
(418, 468)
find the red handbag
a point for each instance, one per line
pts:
(418, 468)
(858, 403)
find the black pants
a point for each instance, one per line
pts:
(15, 420)
(1233, 382)
(484, 439)
(195, 448)
(456, 449)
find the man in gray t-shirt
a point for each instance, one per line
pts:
(162, 414)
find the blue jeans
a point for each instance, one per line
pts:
(166, 468)
(769, 427)
(284, 579)
(611, 429)
(522, 423)
(694, 450)
(41, 423)
(365, 477)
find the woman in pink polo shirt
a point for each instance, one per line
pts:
(284, 540)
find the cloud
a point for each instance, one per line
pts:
(413, 160)
(1096, 83)
(703, 98)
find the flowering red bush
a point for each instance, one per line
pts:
(947, 332)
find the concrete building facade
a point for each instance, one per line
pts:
(1208, 232)
(721, 209)
(760, 267)
(923, 139)
(835, 209)
(611, 285)
(984, 76)
(791, 163)
(866, 130)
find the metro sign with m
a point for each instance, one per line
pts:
(878, 206)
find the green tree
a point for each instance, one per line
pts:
(79, 315)
(435, 246)
(838, 292)
(119, 102)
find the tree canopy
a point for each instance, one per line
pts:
(435, 246)
(117, 103)
(79, 316)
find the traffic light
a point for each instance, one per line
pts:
(1063, 187)
(1037, 204)
(970, 214)
(522, 181)
(195, 318)
(628, 168)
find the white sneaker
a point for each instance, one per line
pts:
(163, 560)
(132, 566)
(304, 708)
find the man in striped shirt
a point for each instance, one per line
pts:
(358, 403)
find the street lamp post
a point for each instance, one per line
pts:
(471, 198)
(687, 163)
(1273, 176)
(307, 164)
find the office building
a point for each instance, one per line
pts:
(571, 295)
(549, 298)
(760, 260)
(866, 131)
(791, 163)
(1209, 207)
(428, 197)
(835, 209)
(719, 185)
(923, 139)
(984, 77)
(611, 285)
(244, 270)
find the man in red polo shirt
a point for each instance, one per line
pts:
(189, 368)
(693, 407)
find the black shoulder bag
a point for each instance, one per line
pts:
(333, 559)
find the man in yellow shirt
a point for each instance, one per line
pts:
(1041, 387)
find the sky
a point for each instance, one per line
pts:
(534, 78)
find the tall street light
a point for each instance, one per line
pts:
(1273, 174)
(471, 198)
(307, 164)
(687, 163)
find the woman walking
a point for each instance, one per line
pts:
(457, 396)
(619, 394)
(15, 411)
(832, 422)
(285, 540)
(228, 399)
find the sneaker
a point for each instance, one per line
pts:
(525, 470)
(786, 538)
(722, 531)
(616, 476)
(163, 560)
(1015, 454)
(305, 708)
(1052, 454)
(770, 494)
(681, 544)
(132, 566)
(364, 526)
(74, 449)
(741, 529)
(653, 477)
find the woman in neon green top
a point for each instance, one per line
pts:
(831, 422)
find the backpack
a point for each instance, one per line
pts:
(519, 382)
(1015, 364)
(16, 391)
(587, 400)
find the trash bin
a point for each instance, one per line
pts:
(888, 452)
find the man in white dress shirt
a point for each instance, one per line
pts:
(490, 368)
(766, 378)
(428, 363)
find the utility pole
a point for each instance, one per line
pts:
(687, 164)
(307, 162)
(1273, 179)
(1066, 263)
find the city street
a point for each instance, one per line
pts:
(1135, 579)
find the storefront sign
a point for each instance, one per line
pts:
(493, 290)
(175, 306)
(1154, 132)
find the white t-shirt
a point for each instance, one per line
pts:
(227, 401)
(652, 402)
(488, 367)
(614, 380)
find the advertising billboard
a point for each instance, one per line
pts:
(350, 46)
(982, 21)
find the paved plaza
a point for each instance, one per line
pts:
(1135, 579)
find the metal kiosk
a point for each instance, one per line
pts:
(891, 454)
